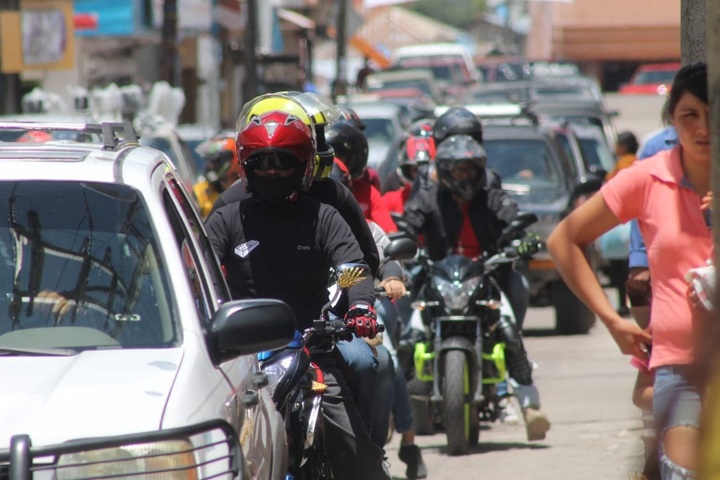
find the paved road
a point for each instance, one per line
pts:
(585, 385)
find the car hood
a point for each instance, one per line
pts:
(91, 394)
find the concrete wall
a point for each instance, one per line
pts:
(553, 20)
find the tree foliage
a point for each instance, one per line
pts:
(458, 13)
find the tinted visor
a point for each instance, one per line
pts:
(272, 161)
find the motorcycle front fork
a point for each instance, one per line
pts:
(428, 362)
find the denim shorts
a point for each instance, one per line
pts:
(676, 401)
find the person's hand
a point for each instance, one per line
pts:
(693, 299)
(394, 287)
(631, 339)
(706, 203)
(362, 319)
(60, 305)
(638, 282)
(528, 246)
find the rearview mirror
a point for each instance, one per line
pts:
(400, 249)
(243, 327)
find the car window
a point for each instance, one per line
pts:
(379, 129)
(528, 162)
(655, 76)
(92, 247)
(205, 263)
(563, 141)
(595, 154)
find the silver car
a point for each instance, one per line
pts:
(121, 352)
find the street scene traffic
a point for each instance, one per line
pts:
(357, 239)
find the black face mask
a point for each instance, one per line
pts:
(272, 188)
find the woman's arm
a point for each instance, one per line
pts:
(567, 245)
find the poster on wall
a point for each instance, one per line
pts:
(44, 36)
(39, 36)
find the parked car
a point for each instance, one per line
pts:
(542, 179)
(651, 79)
(411, 78)
(122, 354)
(575, 111)
(452, 65)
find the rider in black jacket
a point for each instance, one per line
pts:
(282, 244)
(465, 213)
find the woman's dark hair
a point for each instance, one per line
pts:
(690, 78)
(628, 140)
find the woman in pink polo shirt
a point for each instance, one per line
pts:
(669, 195)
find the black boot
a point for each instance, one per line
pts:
(412, 457)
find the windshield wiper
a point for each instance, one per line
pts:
(40, 352)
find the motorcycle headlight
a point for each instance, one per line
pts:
(276, 370)
(456, 295)
(162, 460)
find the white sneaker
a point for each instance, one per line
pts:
(508, 413)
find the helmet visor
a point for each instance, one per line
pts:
(272, 161)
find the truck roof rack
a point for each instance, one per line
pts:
(114, 134)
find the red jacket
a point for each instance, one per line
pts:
(372, 205)
(395, 200)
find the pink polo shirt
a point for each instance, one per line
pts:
(677, 238)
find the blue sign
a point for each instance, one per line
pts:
(114, 18)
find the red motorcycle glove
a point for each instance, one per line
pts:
(362, 319)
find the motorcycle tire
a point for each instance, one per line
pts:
(457, 412)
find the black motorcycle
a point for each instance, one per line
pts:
(459, 365)
(297, 383)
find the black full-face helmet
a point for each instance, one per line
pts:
(350, 145)
(457, 121)
(460, 162)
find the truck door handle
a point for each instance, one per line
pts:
(260, 379)
(250, 398)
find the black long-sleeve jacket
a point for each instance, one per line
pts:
(332, 193)
(285, 254)
(433, 212)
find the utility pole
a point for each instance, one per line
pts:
(340, 84)
(250, 84)
(169, 44)
(10, 85)
(693, 41)
(709, 358)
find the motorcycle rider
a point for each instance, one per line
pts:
(322, 188)
(417, 151)
(221, 171)
(391, 393)
(464, 213)
(280, 243)
(351, 148)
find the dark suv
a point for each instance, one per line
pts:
(546, 178)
